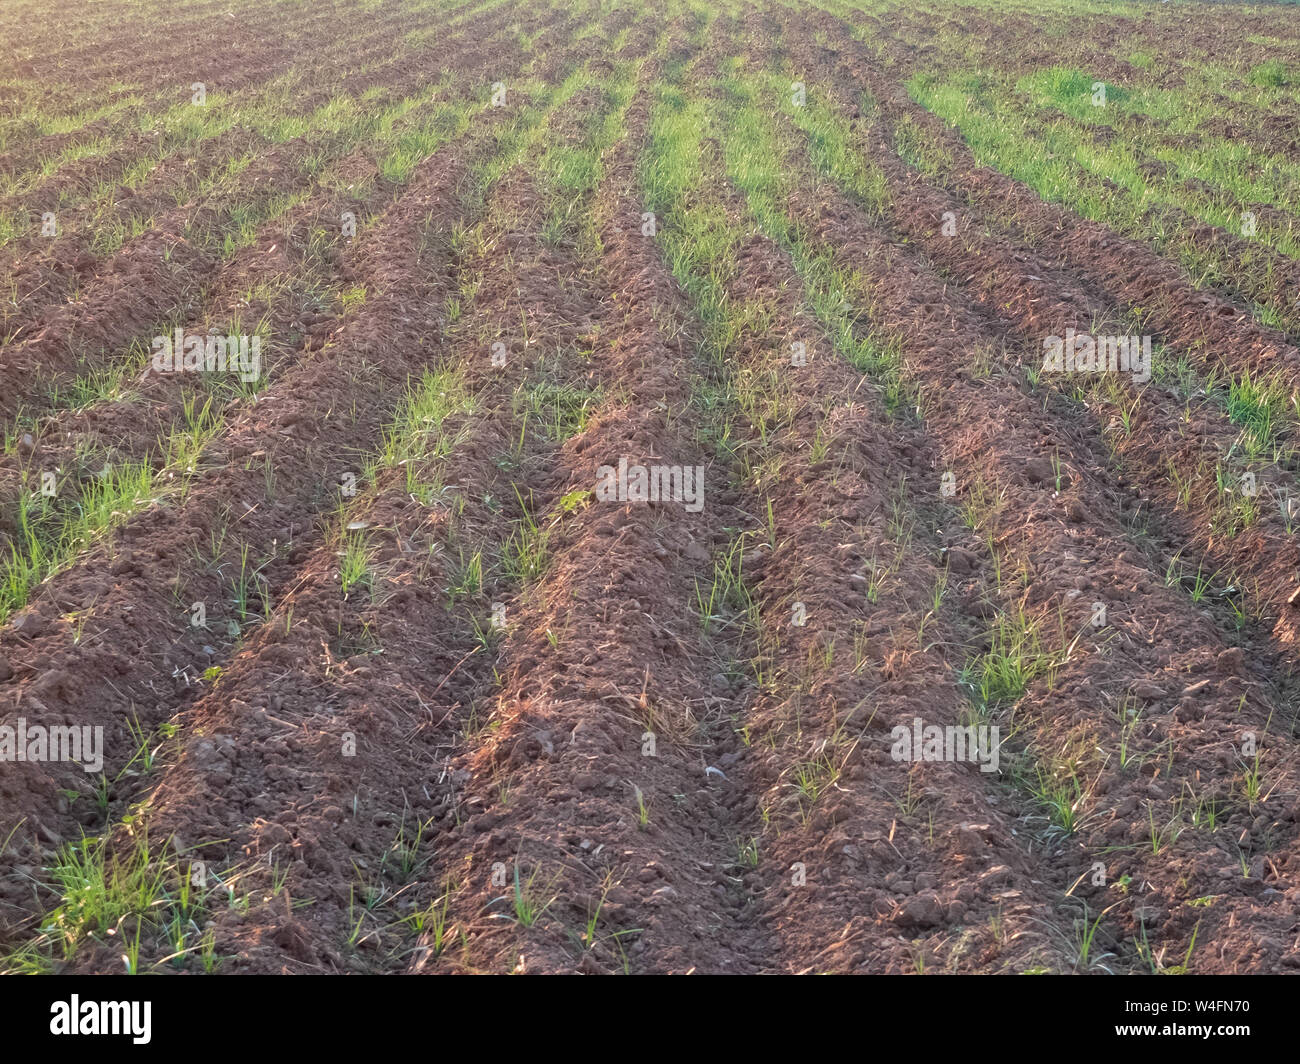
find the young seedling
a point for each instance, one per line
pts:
(642, 809)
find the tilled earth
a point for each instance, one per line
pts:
(450, 710)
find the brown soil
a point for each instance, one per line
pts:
(596, 757)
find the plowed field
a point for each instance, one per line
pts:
(650, 487)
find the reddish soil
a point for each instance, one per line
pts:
(600, 756)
